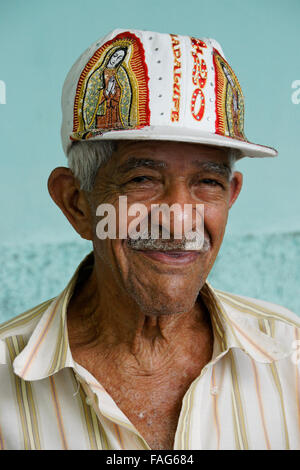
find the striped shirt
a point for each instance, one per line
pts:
(246, 397)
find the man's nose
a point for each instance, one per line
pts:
(179, 209)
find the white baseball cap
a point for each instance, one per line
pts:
(143, 85)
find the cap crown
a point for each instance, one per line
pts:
(142, 84)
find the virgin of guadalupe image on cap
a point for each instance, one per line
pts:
(230, 100)
(112, 92)
(111, 82)
(234, 103)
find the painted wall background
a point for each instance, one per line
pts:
(39, 41)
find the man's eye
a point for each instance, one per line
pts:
(140, 179)
(210, 182)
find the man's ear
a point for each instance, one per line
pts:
(235, 187)
(66, 193)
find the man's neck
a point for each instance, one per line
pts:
(101, 324)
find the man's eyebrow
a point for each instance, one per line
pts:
(221, 169)
(134, 162)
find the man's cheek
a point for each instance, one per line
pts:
(215, 223)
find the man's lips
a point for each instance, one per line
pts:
(171, 257)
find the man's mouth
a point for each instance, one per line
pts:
(168, 252)
(171, 257)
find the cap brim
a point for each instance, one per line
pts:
(180, 134)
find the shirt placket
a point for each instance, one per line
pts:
(94, 398)
(183, 438)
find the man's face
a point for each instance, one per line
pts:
(162, 282)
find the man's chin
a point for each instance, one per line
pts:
(164, 309)
(164, 295)
(163, 283)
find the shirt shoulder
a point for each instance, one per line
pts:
(271, 319)
(259, 307)
(24, 323)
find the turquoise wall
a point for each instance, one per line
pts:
(40, 40)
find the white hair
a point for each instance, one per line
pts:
(234, 155)
(85, 158)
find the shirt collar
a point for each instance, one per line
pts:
(47, 350)
(236, 326)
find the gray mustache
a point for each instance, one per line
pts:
(169, 245)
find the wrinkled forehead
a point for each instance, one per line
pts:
(170, 156)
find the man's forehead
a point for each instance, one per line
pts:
(168, 155)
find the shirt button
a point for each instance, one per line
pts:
(214, 390)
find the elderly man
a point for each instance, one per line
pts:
(139, 351)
